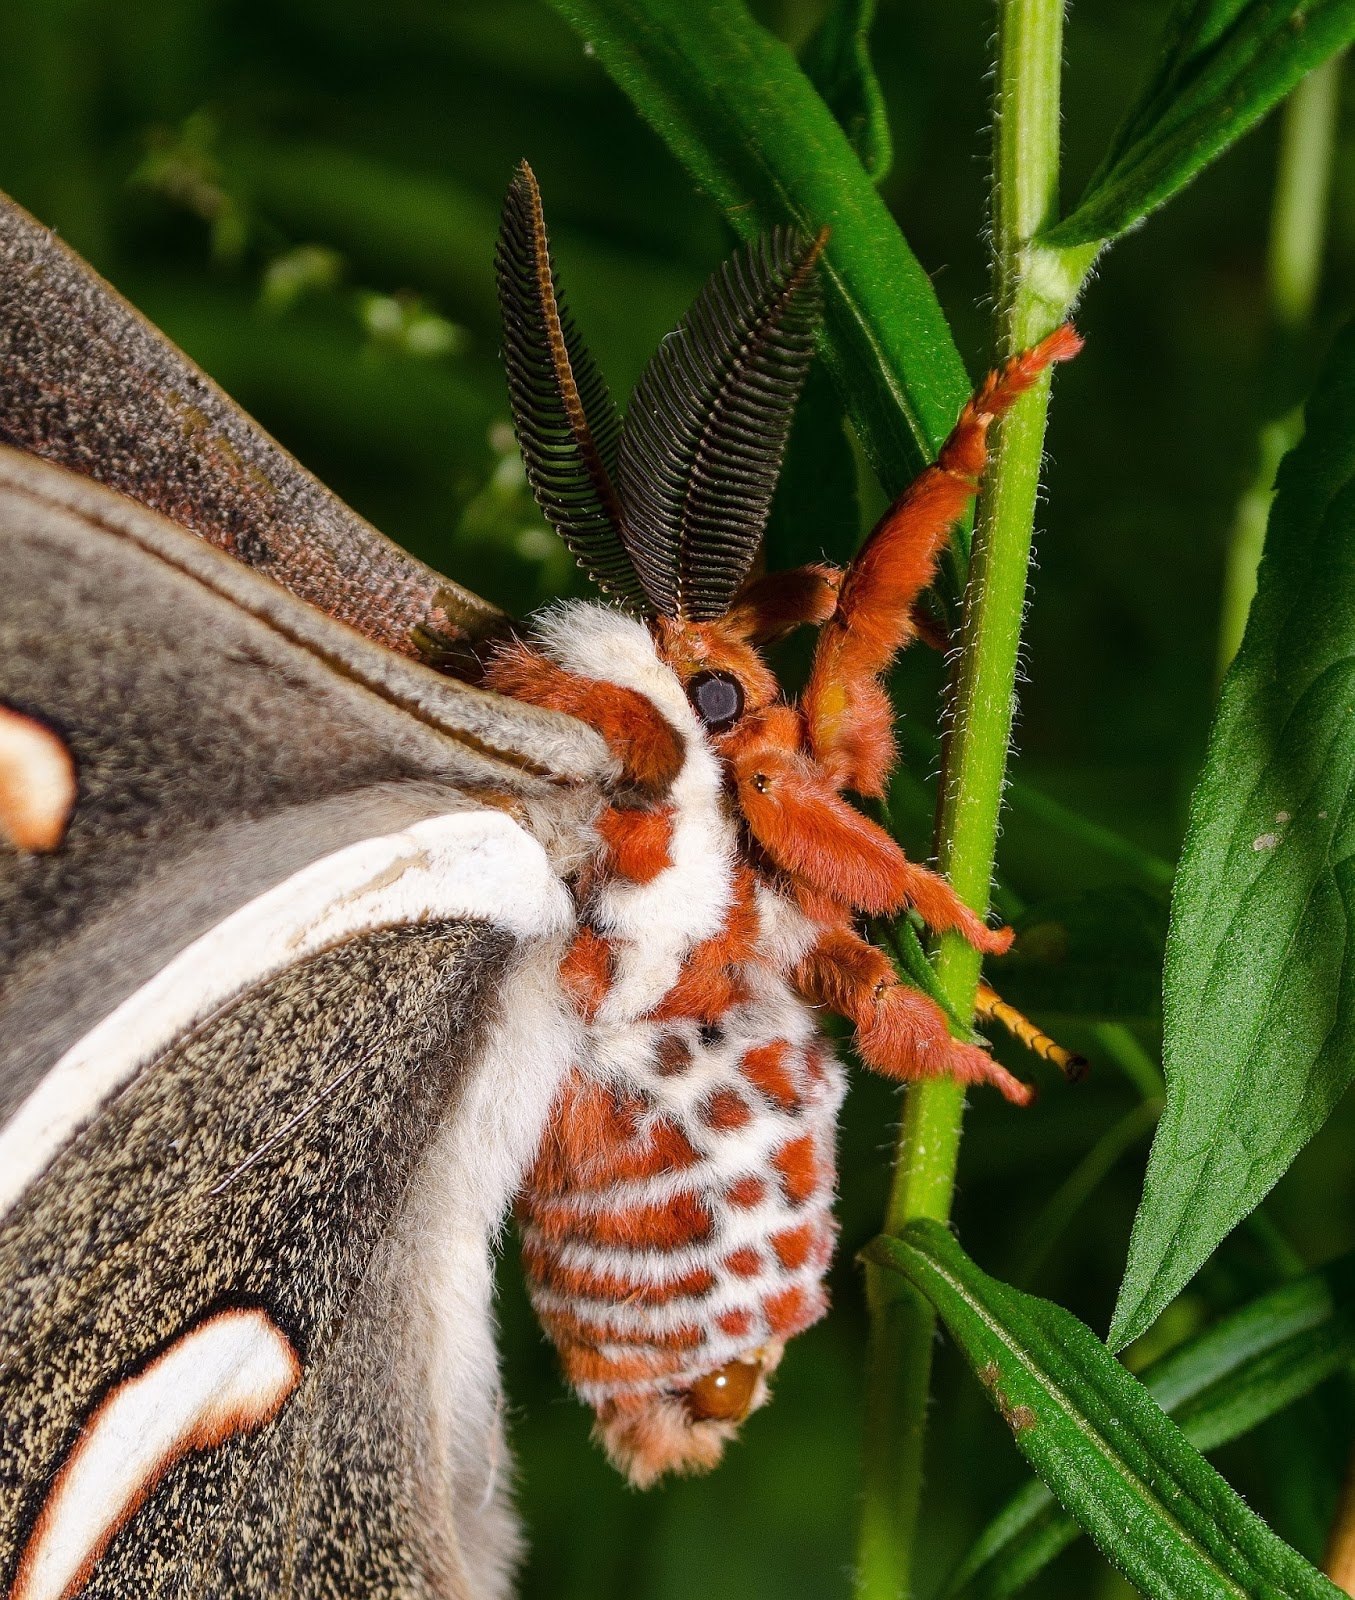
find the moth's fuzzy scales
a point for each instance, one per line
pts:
(296, 1000)
(678, 1216)
(749, 1172)
(731, 874)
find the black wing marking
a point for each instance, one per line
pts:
(567, 424)
(707, 426)
(87, 382)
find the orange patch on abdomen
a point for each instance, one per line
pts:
(795, 1245)
(746, 1193)
(584, 1365)
(725, 1110)
(600, 1136)
(578, 1328)
(798, 1165)
(793, 1310)
(668, 1225)
(744, 1262)
(586, 1283)
(638, 843)
(767, 1067)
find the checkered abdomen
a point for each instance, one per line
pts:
(678, 1216)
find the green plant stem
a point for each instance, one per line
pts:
(1298, 231)
(902, 1325)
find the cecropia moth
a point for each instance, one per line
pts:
(338, 915)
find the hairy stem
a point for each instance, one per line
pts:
(1298, 231)
(902, 1326)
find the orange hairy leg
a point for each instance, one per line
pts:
(848, 714)
(789, 764)
(807, 829)
(900, 1031)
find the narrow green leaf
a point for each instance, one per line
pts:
(1117, 1463)
(1218, 1386)
(736, 109)
(1260, 1358)
(914, 966)
(1224, 65)
(1015, 1548)
(837, 59)
(1259, 1004)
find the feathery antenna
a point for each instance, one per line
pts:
(707, 426)
(567, 424)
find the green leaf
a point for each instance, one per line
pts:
(1096, 954)
(837, 60)
(1259, 1003)
(739, 113)
(1125, 1471)
(816, 511)
(1217, 1386)
(1224, 65)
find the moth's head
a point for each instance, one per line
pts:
(666, 511)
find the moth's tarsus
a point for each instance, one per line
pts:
(989, 1005)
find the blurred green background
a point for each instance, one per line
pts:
(304, 196)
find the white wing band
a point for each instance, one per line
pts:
(466, 864)
(228, 1376)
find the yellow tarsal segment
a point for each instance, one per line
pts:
(989, 1006)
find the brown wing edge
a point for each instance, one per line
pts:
(88, 383)
(524, 750)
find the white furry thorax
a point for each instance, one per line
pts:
(654, 926)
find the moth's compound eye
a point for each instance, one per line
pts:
(717, 697)
(726, 1395)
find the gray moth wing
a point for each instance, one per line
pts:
(278, 1031)
(87, 382)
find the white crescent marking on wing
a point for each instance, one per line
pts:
(228, 1376)
(472, 864)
